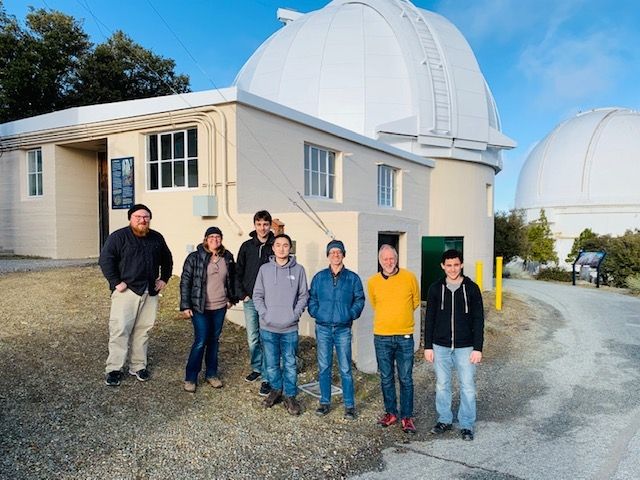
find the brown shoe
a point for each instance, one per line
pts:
(215, 382)
(292, 405)
(275, 396)
(190, 387)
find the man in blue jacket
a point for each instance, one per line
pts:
(336, 299)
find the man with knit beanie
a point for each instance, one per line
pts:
(336, 299)
(394, 295)
(137, 263)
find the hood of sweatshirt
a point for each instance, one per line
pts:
(254, 238)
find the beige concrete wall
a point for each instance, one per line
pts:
(459, 207)
(77, 227)
(353, 216)
(29, 223)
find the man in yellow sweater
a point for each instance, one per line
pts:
(394, 295)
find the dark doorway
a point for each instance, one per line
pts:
(388, 238)
(103, 196)
(432, 250)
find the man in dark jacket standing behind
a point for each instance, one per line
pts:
(137, 263)
(453, 337)
(254, 253)
(336, 299)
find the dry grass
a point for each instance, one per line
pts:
(59, 420)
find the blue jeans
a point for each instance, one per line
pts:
(280, 354)
(398, 350)
(444, 359)
(326, 338)
(207, 328)
(256, 354)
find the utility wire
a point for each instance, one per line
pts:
(313, 216)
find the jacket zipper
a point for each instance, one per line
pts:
(453, 330)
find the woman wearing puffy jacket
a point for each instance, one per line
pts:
(206, 291)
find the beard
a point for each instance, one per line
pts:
(140, 230)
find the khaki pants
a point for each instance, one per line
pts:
(131, 318)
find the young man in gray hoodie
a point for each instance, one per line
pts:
(280, 296)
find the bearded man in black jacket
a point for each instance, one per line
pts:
(137, 263)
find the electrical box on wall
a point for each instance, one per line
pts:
(205, 205)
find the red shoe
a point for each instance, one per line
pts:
(388, 419)
(408, 426)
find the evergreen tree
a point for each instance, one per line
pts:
(587, 240)
(50, 64)
(510, 235)
(541, 242)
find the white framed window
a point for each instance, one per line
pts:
(319, 172)
(387, 186)
(34, 172)
(172, 160)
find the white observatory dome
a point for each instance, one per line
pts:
(585, 174)
(589, 160)
(379, 67)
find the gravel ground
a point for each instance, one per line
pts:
(58, 420)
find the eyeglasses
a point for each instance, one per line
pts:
(141, 217)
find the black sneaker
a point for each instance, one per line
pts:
(350, 413)
(322, 410)
(252, 377)
(265, 389)
(142, 375)
(440, 428)
(113, 378)
(466, 434)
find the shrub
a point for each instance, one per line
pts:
(554, 273)
(623, 258)
(633, 283)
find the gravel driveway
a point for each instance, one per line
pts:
(58, 419)
(572, 397)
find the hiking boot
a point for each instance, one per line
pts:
(190, 387)
(388, 419)
(292, 405)
(265, 388)
(113, 378)
(439, 428)
(252, 377)
(322, 410)
(275, 396)
(408, 426)
(466, 434)
(350, 413)
(143, 375)
(215, 382)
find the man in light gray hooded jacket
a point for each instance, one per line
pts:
(280, 296)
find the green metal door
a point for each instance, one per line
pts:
(432, 249)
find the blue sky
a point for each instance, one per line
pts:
(544, 60)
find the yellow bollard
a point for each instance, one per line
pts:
(479, 274)
(498, 283)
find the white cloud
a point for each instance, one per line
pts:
(570, 70)
(500, 21)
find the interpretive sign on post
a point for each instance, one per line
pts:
(122, 187)
(589, 259)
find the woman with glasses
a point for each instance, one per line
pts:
(206, 292)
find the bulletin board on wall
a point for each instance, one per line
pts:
(122, 184)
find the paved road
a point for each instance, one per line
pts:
(12, 264)
(581, 416)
